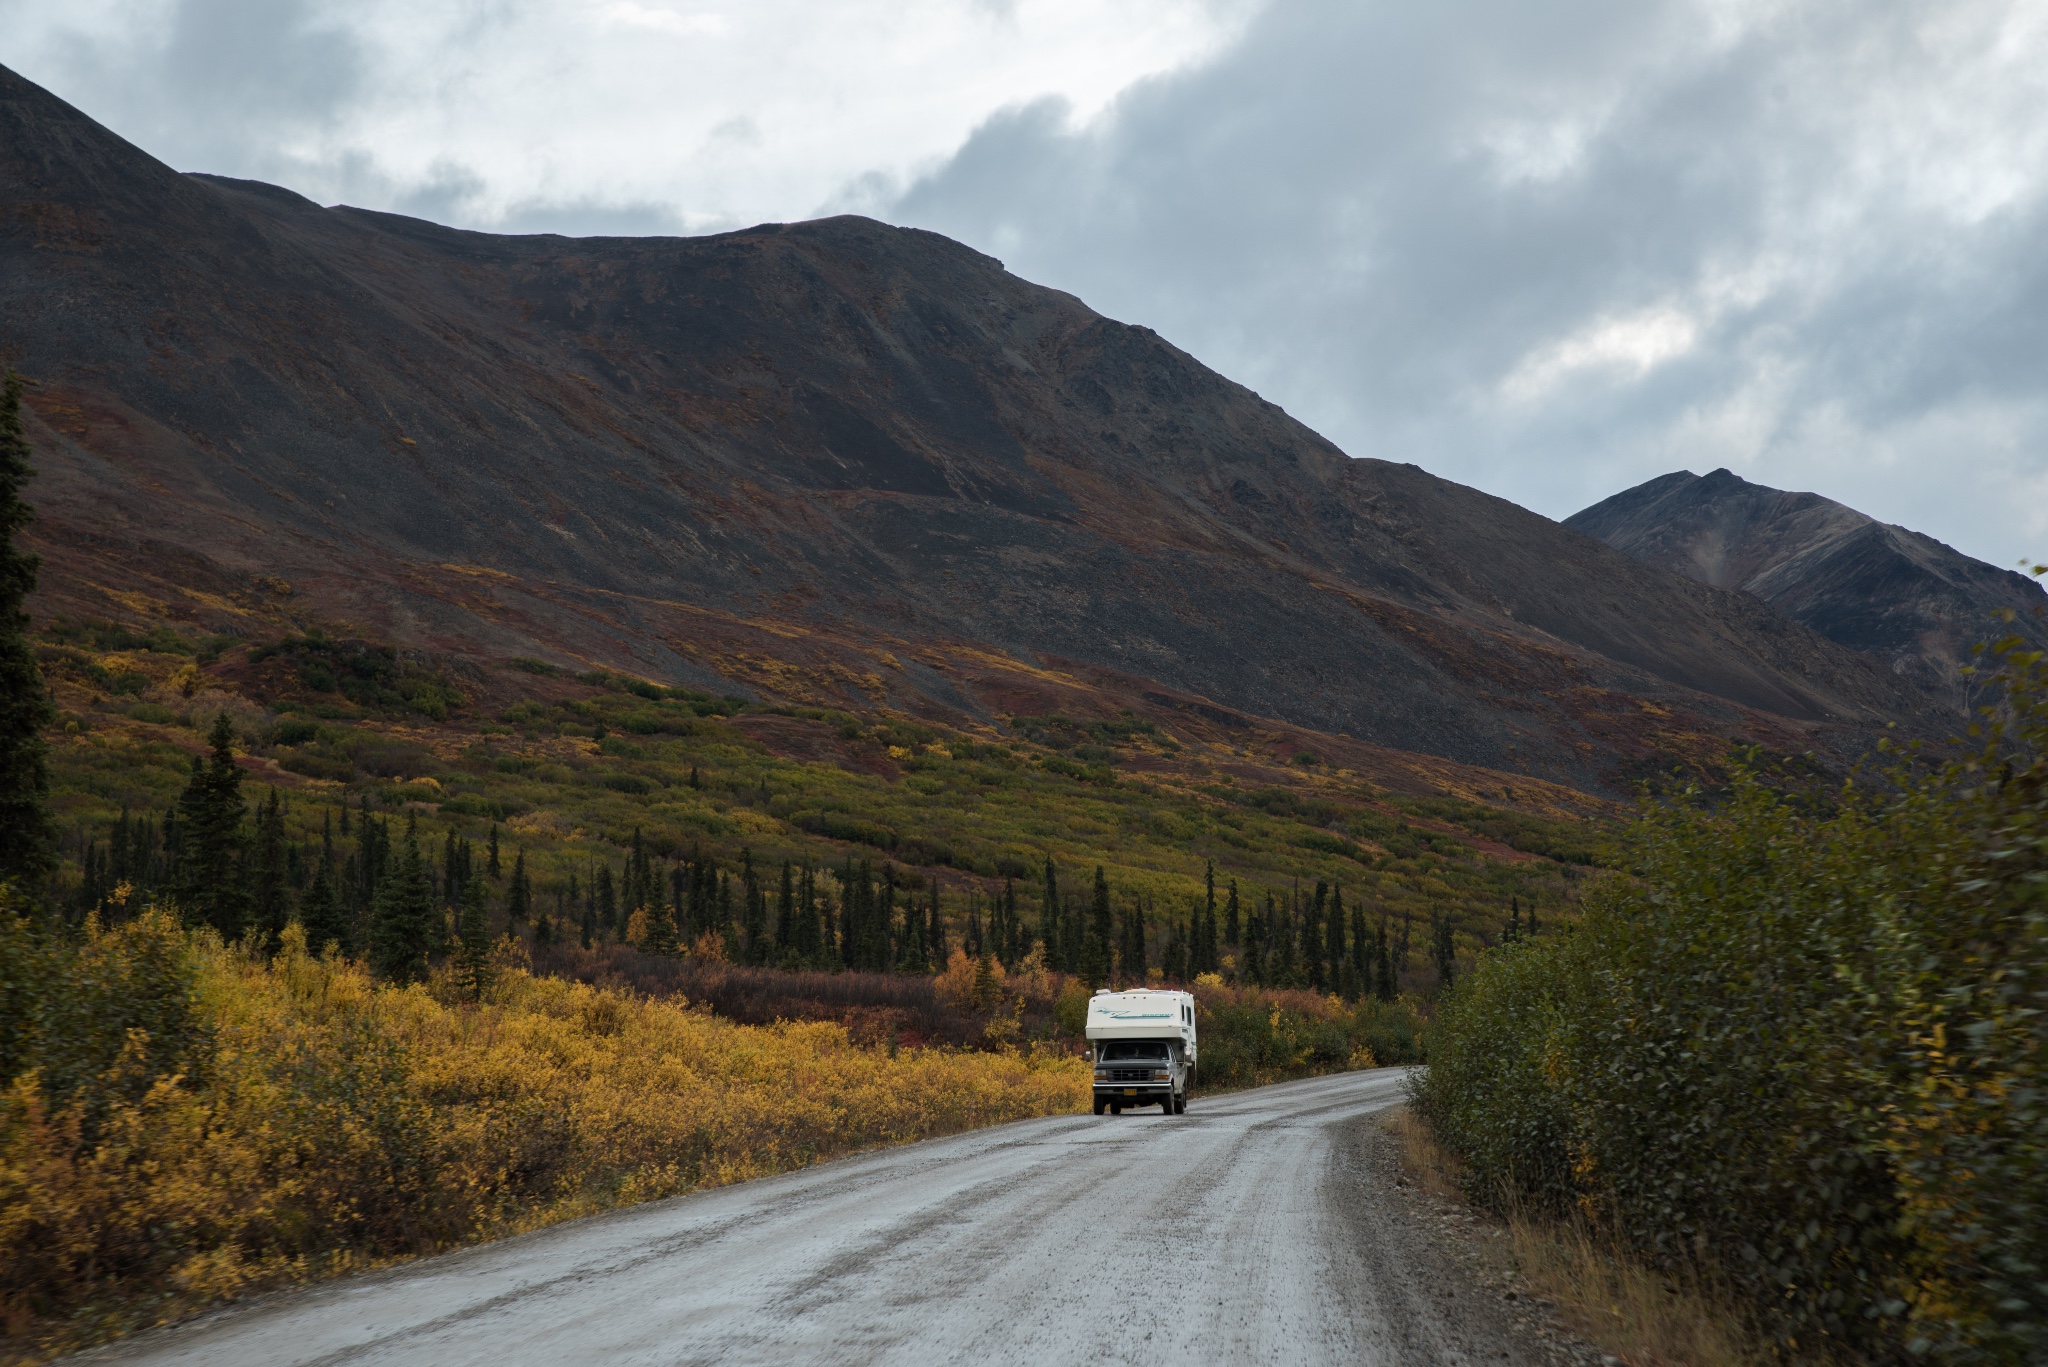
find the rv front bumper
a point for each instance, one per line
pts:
(1124, 1091)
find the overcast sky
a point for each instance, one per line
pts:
(1549, 250)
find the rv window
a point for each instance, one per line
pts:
(1131, 1049)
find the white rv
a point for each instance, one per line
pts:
(1143, 1046)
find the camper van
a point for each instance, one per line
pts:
(1142, 1044)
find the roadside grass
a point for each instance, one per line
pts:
(1609, 1299)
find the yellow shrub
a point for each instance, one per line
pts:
(339, 1122)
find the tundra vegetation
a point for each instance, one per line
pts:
(315, 954)
(1794, 1050)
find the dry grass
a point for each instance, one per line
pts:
(1606, 1297)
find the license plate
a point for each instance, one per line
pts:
(1130, 1091)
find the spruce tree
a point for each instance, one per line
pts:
(322, 915)
(1386, 982)
(785, 912)
(267, 901)
(1100, 932)
(1444, 948)
(1362, 961)
(399, 931)
(518, 894)
(936, 951)
(473, 942)
(754, 918)
(1231, 927)
(1131, 954)
(210, 881)
(607, 898)
(1333, 946)
(1050, 920)
(491, 862)
(28, 835)
(661, 928)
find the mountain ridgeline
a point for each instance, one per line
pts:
(832, 462)
(1909, 600)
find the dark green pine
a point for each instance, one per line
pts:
(210, 884)
(28, 836)
(400, 933)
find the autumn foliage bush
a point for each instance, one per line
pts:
(1251, 1036)
(184, 1120)
(1799, 1049)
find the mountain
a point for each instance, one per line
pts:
(829, 462)
(1905, 598)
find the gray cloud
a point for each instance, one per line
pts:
(1554, 250)
(220, 83)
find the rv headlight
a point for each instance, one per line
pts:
(1102, 1074)
(1162, 1076)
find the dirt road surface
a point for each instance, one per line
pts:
(1261, 1227)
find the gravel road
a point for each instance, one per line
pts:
(1260, 1227)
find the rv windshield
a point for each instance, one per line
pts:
(1121, 1050)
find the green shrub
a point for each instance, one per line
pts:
(1802, 1046)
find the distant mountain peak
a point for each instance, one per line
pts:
(1881, 589)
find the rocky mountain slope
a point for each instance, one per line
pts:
(830, 461)
(1906, 598)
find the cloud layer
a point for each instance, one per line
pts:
(1555, 250)
(586, 115)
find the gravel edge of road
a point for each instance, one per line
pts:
(1462, 1254)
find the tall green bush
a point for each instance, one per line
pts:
(1799, 1045)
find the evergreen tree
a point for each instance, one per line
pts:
(1512, 931)
(28, 835)
(1253, 969)
(915, 939)
(1444, 948)
(608, 902)
(1130, 950)
(1386, 983)
(1312, 938)
(451, 871)
(1050, 919)
(399, 932)
(970, 936)
(1363, 961)
(518, 895)
(1230, 921)
(785, 913)
(754, 914)
(935, 924)
(1015, 943)
(322, 915)
(1333, 945)
(491, 861)
(1100, 933)
(473, 942)
(268, 907)
(209, 885)
(661, 928)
